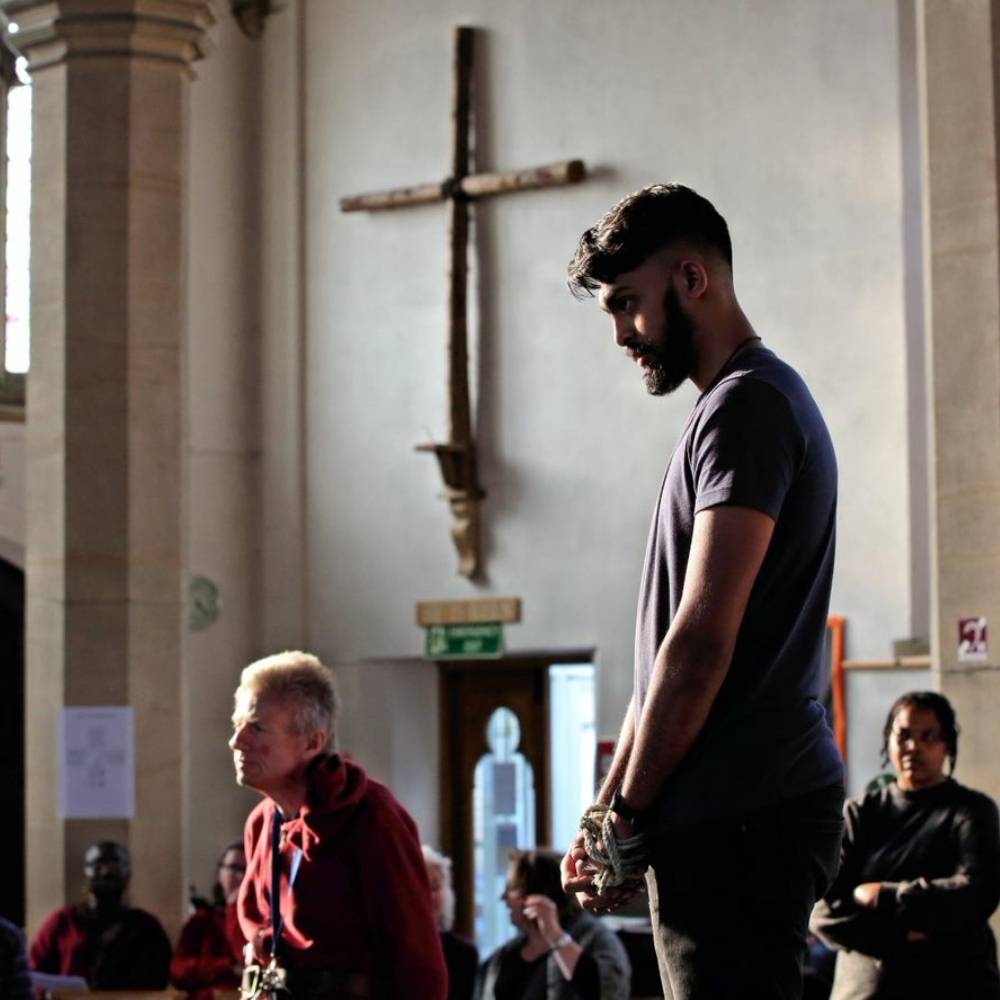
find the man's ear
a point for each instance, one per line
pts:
(694, 277)
(316, 742)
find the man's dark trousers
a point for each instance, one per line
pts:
(730, 900)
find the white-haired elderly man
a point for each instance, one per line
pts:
(335, 848)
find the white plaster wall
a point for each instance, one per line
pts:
(223, 429)
(386, 723)
(12, 492)
(784, 112)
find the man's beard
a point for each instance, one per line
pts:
(668, 365)
(107, 893)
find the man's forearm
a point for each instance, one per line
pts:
(689, 670)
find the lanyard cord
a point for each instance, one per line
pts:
(277, 920)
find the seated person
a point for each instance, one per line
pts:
(14, 981)
(209, 953)
(352, 914)
(561, 952)
(111, 945)
(919, 874)
(460, 954)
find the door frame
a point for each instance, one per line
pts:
(455, 821)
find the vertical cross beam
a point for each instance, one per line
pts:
(457, 455)
(459, 420)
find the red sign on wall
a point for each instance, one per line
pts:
(602, 763)
(972, 644)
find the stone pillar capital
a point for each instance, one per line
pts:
(50, 32)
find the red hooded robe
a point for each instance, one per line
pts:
(208, 952)
(360, 901)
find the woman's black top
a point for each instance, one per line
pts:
(936, 852)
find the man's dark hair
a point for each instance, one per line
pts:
(640, 225)
(940, 706)
(538, 872)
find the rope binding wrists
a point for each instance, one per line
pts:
(621, 861)
(637, 817)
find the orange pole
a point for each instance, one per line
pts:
(835, 623)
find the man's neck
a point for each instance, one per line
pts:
(718, 343)
(290, 799)
(105, 907)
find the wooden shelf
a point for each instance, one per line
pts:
(902, 663)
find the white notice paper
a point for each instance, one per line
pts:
(47, 982)
(97, 763)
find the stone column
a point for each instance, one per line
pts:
(105, 573)
(958, 68)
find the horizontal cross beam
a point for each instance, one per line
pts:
(470, 187)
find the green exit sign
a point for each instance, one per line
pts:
(453, 642)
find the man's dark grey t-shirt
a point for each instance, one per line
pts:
(754, 439)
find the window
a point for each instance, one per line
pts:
(573, 742)
(503, 820)
(504, 791)
(16, 180)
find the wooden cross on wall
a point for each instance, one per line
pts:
(457, 455)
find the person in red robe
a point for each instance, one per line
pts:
(354, 915)
(113, 946)
(209, 952)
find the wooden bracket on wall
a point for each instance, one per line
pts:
(251, 15)
(463, 493)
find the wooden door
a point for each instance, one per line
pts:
(471, 691)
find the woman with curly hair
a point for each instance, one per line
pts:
(920, 872)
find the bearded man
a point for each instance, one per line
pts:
(335, 903)
(110, 944)
(726, 782)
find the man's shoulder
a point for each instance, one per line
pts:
(384, 807)
(762, 377)
(749, 411)
(743, 395)
(61, 917)
(762, 363)
(766, 394)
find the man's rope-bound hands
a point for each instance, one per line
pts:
(603, 868)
